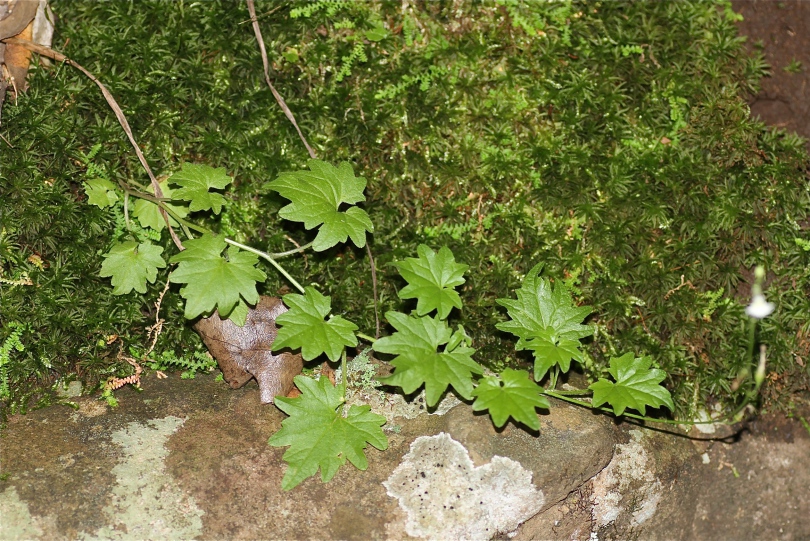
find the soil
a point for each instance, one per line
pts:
(782, 30)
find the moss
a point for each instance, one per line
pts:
(610, 141)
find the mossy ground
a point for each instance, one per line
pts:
(610, 141)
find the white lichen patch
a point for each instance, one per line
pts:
(627, 474)
(16, 521)
(145, 502)
(446, 497)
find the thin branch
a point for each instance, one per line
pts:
(119, 114)
(266, 64)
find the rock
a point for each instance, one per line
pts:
(446, 497)
(572, 446)
(210, 474)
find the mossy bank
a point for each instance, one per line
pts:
(610, 141)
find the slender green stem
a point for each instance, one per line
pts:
(191, 226)
(365, 337)
(584, 404)
(575, 392)
(272, 261)
(751, 394)
(279, 255)
(344, 378)
(752, 326)
(555, 372)
(126, 212)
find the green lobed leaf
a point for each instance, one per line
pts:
(637, 385)
(148, 213)
(214, 282)
(131, 265)
(303, 326)
(100, 192)
(431, 278)
(418, 362)
(195, 181)
(239, 313)
(315, 198)
(319, 437)
(547, 354)
(545, 320)
(514, 395)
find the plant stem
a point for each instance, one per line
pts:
(588, 405)
(555, 372)
(186, 224)
(300, 249)
(365, 337)
(272, 261)
(126, 212)
(344, 378)
(575, 392)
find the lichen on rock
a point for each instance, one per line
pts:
(628, 473)
(446, 497)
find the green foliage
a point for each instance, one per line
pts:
(419, 362)
(431, 279)
(190, 364)
(316, 196)
(636, 386)
(513, 395)
(131, 265)
(11, 343)
(148, 213)
(520, 134)
(318, 434)
(546, 321)
(358, 54)
(303, 326)
(793, 67)
(195, 182)
(100, 192)
(330, 7)
(215, 281)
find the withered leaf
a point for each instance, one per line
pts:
(245, 352)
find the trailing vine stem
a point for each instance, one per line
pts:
(365, 337)
(271, 258)
(566, 398)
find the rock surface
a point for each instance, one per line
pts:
(188, 459)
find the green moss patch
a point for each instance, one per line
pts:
(609, 140)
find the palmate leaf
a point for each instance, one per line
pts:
(418, 362)
(431, 279)
(319, 437)
(547, 354)
(315, 197)
(213, 281)
(512, 395)
(131, 265)
(637, 385)
(148, 213)
(196, 181)
(303, 326)
(545, 320)
(100, 192)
